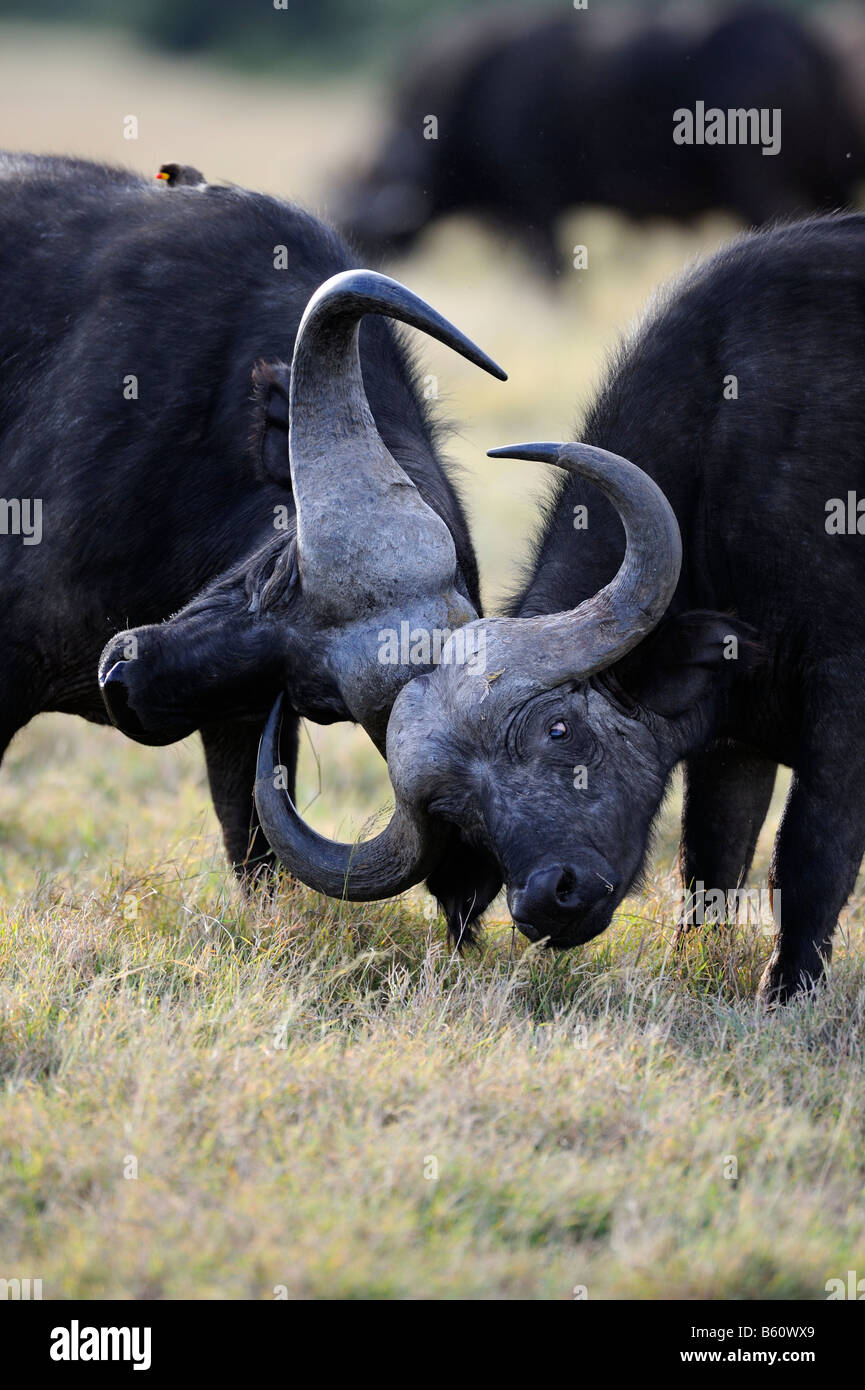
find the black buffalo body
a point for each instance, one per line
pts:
(132, 324)
(749, 479)
(744, 399)
(538, 114)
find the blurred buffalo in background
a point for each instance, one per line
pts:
(518, 117)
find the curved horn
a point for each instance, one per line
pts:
(575, 644)
(379, 868)
(343, 477)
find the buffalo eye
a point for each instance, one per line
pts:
(559, 729)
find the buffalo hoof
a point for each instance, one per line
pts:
(785, 978)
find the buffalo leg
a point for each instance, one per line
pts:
(818, 850)
(231, 752)
(727, 795)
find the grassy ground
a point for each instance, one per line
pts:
(204, 1098)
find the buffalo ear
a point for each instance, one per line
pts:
(269, 438)
(686, 659)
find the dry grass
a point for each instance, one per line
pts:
(210, 1100)
(284, 1073)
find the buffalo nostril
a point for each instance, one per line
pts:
(116, 697)
(114, 676)
(566, 886)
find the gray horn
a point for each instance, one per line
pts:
(367, 543)
(558, 647)
(363, 530)
(378, 868)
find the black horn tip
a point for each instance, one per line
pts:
(490, 366)
(276, 708)
(269, 740)
(472, 353)
(469, 350)
(533, 453)
(361, 291)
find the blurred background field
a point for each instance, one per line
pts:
(283, 1071)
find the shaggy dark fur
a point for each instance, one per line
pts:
(749, 480)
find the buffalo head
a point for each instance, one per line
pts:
(361, 551)
(553, 759)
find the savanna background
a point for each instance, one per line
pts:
(205, 1097)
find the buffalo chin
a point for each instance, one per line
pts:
(595, 921)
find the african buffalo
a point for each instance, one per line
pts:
(734, 419)
(518, 117)
(178, 466)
